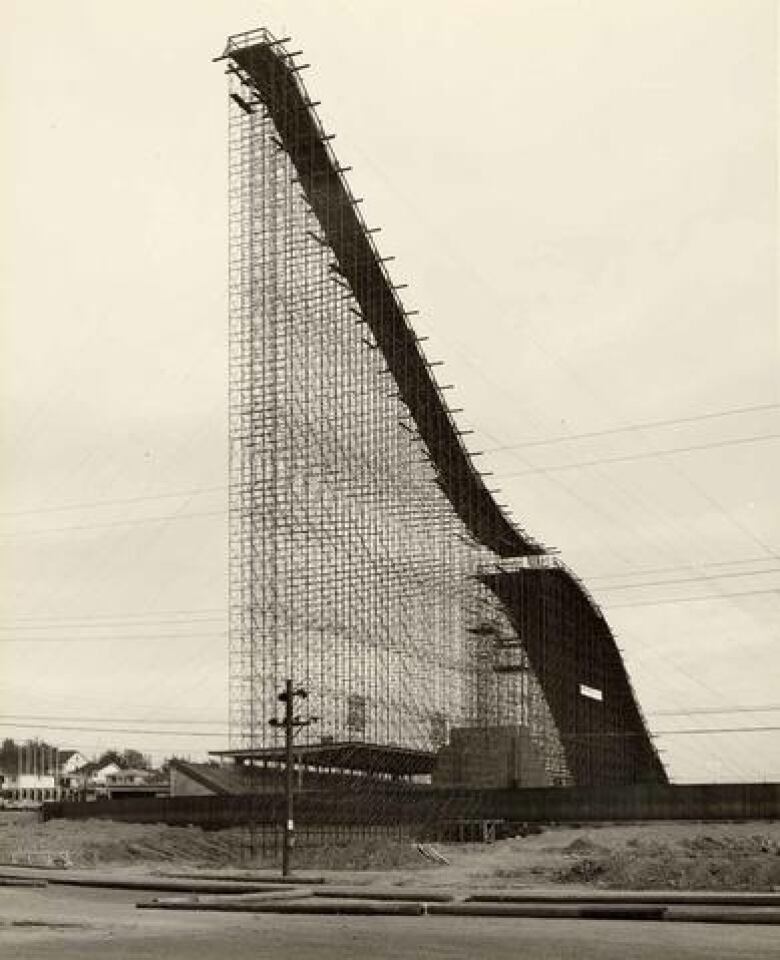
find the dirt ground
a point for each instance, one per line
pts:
(677, 855)
(73, 923)
(673, 855)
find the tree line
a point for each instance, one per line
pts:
(12, 751)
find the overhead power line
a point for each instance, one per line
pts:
(141, 731)
(693, 565)
(219, 613)
(709, 596)
(631, 428)
(105, 624)
(695, 711)
(222, 612)
(119, 523)
(201, 721)
(187, 636)
(108, 624)
(127, 730)
(119, 501)
(152, 637)
(193, 720)
(127, 616)
(199, 491)
(715, 576)
(692, 711)
(695, 730)
(648, 454)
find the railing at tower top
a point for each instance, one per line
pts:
(237, 41)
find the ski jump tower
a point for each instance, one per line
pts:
(368, 559)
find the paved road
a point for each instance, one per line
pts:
(105, 924)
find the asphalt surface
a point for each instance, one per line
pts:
(71, 923)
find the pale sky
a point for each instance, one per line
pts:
(582, 198)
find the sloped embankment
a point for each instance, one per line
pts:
(702, 861)
(89, 843)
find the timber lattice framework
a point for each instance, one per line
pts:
(369, 561)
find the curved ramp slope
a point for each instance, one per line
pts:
(572, 652)
(277, 84)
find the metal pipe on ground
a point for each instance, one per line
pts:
(367, 893)
(322, 906)
(21, 882)
(236, 898)
(668, 897)
(311, 906)
(243, 875)
(766, 915)
(549, 910)
(161, 885)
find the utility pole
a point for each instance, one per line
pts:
(291, 723)
(289, 822)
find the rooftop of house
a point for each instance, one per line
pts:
(92, 767)
(134, 772)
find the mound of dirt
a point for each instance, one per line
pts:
(698, 862)
(583, 845)
(654, 855)
(712, 856)
(93, 843)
